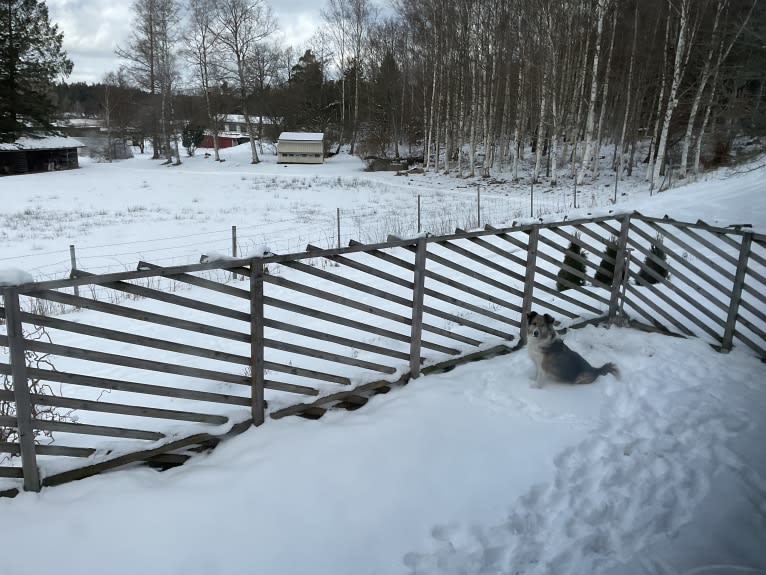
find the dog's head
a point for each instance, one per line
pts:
(540, 327)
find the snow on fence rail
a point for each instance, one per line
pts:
(154, 370)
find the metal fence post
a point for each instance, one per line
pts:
(73, 260)
(257, 372)
(21, 390)
(234, 247)
(621, 264)
(736, 291)
(418, 292)
(529, 281)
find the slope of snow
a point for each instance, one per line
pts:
(470, 471)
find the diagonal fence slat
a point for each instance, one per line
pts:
(477, 282)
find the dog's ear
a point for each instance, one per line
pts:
(549, 318)
(531, 316)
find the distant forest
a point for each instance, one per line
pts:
(467, 85)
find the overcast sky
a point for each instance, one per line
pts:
(93, 28)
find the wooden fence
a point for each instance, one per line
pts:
(164, 359)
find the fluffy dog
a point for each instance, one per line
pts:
(553, 358)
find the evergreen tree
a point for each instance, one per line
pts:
(655, 262)
(605, 272)
(574, 258)
(31, 58)
(191, 136)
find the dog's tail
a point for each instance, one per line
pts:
(609, 368)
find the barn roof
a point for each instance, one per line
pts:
(301, 136)
(28, 143)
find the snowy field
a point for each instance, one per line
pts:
(472, 471)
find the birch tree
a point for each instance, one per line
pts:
(201, 42)
(590, 123)
(243, 25)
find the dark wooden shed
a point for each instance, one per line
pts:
(38, 154)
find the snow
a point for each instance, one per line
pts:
(42, 143)
(14, 277)
(470, 471)
(301, 136)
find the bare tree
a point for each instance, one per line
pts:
(200, 45)
(243, 25)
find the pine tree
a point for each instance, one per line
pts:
(605, 272)
(31, 58)
(655, 262)
(575, 259)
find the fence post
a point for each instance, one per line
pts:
(478, 206)
(529, 281)
(532, 199)
(257, 372)
(234, 247)
(736, 291)
(73, 259)
(418, 292)
(337, 210)
(418, 213)
(621, 264)
(21, 390)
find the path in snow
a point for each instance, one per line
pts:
(637, 478)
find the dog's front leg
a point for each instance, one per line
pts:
(538, 382)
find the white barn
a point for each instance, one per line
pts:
(300, 148)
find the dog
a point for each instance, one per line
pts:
(553, 358)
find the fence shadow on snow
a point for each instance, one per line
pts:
(154, 373)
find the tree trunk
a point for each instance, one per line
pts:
(604, 96)
(590, 125)
(629, 95)
(678, 70)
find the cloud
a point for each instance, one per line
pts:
(93, 29)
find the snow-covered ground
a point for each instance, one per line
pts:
(471, 471)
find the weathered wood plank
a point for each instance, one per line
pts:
(736, 292)
(170, 298)
(140, 315)
(510, 256)
(337, 339)
(529, 282)
(695, 252)
(426, 309)
(656, 309)
(419, 280)
(289, 284)
(620, 280)
(431, 293)
(17, 348)
(115, 462)
(257, 344)
(103, 430)
(53, 449)
(11, 472)
(122, 409)
(678, 273)
(681, 310)
(201, 282)
(717, 250)
(132, 338)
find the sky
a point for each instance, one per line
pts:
(465, 472)
(94, 28)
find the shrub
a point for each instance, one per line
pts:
(575, 259)
(656, 261)
(605, 272)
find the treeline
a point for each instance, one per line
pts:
(470, 85)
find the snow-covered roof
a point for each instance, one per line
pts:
(302, 136)
(240, 119)
(44, 143)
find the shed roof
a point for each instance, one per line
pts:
(43, 143)
(301, 136)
